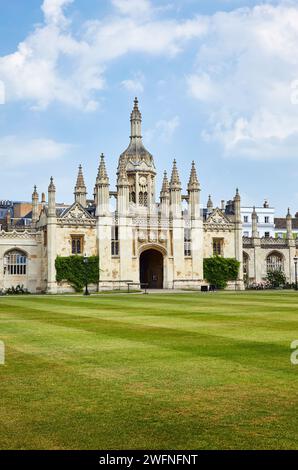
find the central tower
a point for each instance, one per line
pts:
(138, 164)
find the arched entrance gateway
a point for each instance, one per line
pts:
(151, 269)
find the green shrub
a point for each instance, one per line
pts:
(218, 270)
(276, 278)
(73, 270)
(18, 290)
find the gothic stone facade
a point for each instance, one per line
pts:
(161, 244)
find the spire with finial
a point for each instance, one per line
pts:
(209, 203)
(101, 192)
(165, 196)
(80, 179)
(102, 175)
(35, 193)
(34, 205)
(289, 225)
(194, 193)
(52, 199)
(122, 190)
(175, 193)
(136, 121)
(80, 191)
(254, 219)
(136, 104)
(237, 207)
(52, 186)
(165, 184)
(193, 184)
(175, 183)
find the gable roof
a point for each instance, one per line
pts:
(217, 216)
(75, 211)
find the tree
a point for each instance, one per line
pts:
(218, 270)
(276, 278)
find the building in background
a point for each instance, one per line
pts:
(265, 220)
(6, 207)
(18, 214)
(280, 227)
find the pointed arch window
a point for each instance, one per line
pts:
(15, 263)
(275, 262)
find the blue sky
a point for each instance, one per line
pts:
(216, 81)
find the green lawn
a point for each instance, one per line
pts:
(181, 371)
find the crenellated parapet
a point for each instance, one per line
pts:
(20, 235)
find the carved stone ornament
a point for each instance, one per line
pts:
(76, 213)
(153, 236)
(19, 235)
(162, 237)
(142, 236)
(218, 221)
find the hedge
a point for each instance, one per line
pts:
(73, 270)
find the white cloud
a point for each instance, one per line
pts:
(2, 92)
(133, 7)
(35, 72)
(135, 84)
(53, 10)
(54, 65)
(163, 130)
(201, 87)
(246, 62)
(16, 152)
(245, 66)
(129, 35)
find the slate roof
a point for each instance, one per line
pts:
(281, 223)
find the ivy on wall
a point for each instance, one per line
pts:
(218, 270)
(73, 270)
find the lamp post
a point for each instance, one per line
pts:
(86, 274)
(296, 280)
